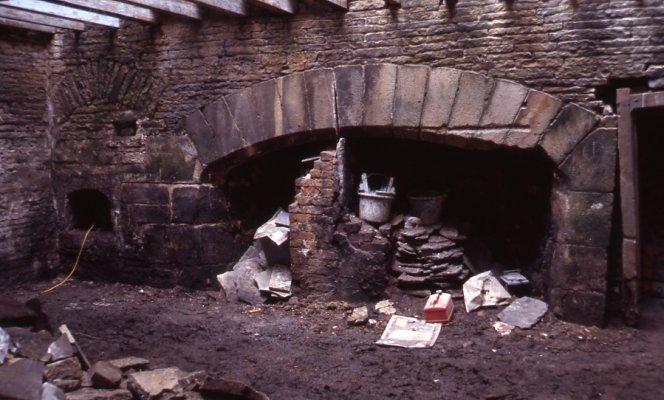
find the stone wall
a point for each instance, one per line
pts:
(26, 206)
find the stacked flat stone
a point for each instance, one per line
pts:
(425, 256)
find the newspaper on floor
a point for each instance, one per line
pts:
(410, 333)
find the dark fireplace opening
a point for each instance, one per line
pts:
(501, 195)
(651, 197)
(88, 207)
(257, 186)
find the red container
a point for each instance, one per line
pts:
(439, 308)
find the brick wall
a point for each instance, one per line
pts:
(26, 205)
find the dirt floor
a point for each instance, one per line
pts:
(302, 350)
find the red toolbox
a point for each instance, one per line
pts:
(439, 308)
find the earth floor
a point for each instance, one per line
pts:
(306, 350)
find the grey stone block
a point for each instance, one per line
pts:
(591, 165)
(524, 312)
(320, 94)
(350, 95)
(294, 108)
(505, 102)
(198, 204)
(440, 94)
(266, 107)
(221, 121)
(171, 158)
(21, 380)
(538, 113)
(105, 375)
(203, 137)
(144, 194)
(583, 218)
(569, 127)
(470, 100)
(578, 268)
(380, 84)
(581, 307)
(149, 214)
(409, 96)
(242, 109)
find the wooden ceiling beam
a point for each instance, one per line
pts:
(58, 10)
(238, 8)
(39, 19)
(179, 8)
(279, 6)
(26, 25)
(117, 8)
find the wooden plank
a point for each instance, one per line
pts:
(644, 100)
(235, 7)
(176, 7)
(40, 19)
(279, 6)
(57, 10)
(117, 8)
(26, 25)
(340, 4)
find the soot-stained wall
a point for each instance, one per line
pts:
(26, 201)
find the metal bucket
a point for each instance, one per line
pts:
(375, 207)
(427, 206)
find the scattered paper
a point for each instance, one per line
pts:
(484, 290)
(503, 328)
(409, 333)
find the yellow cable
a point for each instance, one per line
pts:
(78, 257)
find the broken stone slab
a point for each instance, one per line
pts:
(360, 316)
(437, 246)
(60, 349)
(524, 312)
(105, 375)
(99, 394)
(52, 392)
(4, 345)
(226, 388)
(21, 380)
(29, 344)
(128, 363)
(411, 280)
(228, 286)
(262, 280)
(151, 384)
(414, 234)
(69, 368)
(280, 282)
(68, 385)
(193, 380)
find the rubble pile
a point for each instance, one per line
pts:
(429, 255)
(37, 366)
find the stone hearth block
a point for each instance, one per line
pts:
(220, 120)
(569, 127)
(409, 96)
(380, 83)
(244, 114)
(203, 137)
(267, 110)
(168, 244)
(149, 214)
(579, 268)
(171, 158)
(216, 244)
(505, 102)
(581, 307)
(583, 218)
(198, 204)
(320, 93)
(145, 194)
(21, 380)
(470, 99)
(439, 99)
(591, 165)
(294, 107)
(350, 95)
(536, 116)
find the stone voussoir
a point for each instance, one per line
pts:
(439, 99)
(409, 96)
(349, 83)
(380, 86)
(505, 102)
(221, 121)
(590, 166)
(470, 100)
(321, 99)
(566, 131)
(203, 137)
(294, 106)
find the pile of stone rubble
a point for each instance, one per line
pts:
(431, 255)
(36, 365)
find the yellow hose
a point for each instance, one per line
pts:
(78, 257)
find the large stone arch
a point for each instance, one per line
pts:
(451, 106)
